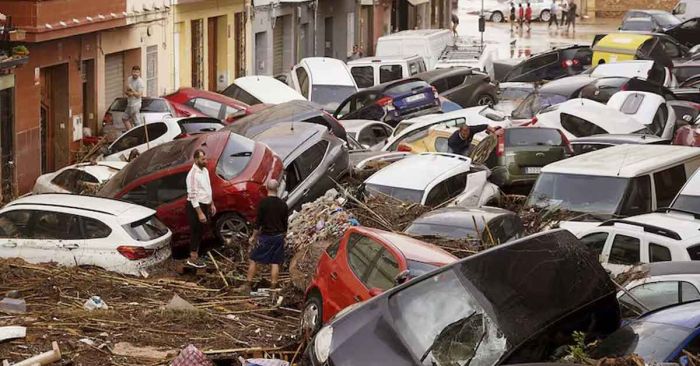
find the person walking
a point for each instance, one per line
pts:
(553, 13)
(572, 15)
(134, 93)
(461, 140)
(564, 9)
(268, 236)
(528, 16)
(200, 205)
(512, 16)
(455, 23)
(521, 15)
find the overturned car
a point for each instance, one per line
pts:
(514, 303)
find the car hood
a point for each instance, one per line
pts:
(541, 280)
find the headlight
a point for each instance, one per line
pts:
(322, 343)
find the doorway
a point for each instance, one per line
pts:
(328, 30)
(87, 73)
(55, 123)
(261, 53)
(198, 53)
(7, 139)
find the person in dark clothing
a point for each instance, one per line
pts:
(572, 15)
(268, 236)
(455, 23)
(461, 140)
(512, 15)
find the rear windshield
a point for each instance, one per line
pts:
(147, 229)
(533, 137)
(687, 202)
(148, 105)
(535, 103)
(235, 157)
(200, 125)
(406, 87)
(401, 194)
(330, 96)
(667, 20)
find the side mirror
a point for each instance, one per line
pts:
(375, 292)
(402, 277)
(688, 118)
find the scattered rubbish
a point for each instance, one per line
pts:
(150, 353)
(12, 332)
(13, 306)
(262, 362)
(94, 303)
(45, 358)
(87, 341)
(179, 304)
(191, 356)
(13, 294)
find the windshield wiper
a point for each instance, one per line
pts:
(442, 332)
(241, 154)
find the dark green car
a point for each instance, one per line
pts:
(516, 155)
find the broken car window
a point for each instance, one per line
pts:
(235, 157)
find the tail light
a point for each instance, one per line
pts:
(108, 119)
(501, 146)
(384, 101)
(569, 63)
(532, 122)
(182, 136)
(566, 143)
(404, 148)
(134, 253)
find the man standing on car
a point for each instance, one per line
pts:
(200, 207)
(268, 236)
(134, 92)
(461, 140)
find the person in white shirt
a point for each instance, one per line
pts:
(200, 206)
(134, 94)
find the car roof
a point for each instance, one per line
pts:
(413, 249)
(324, 71)
(286, 137)
(632, 68)
(382, 59)
(619, 139)
(623, 160)
(461, 216)
(260, 85)
(670, 268)
(427, 167)
(124, 211)
(432, 75)
(685, 226)
(609, 118)
(649, 11)
(566, 86)
(684, 315)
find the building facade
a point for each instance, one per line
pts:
(81, 54)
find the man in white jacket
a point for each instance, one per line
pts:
(200, 205)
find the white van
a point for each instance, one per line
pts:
(427, 43)
(371, 71)
(258, 89)
(687, 9)
(323, 80)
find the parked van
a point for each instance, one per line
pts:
(371, 71)
(323, 80)
(619, 181)
(427, 43)
(687, 9)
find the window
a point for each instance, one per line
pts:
(539, 62)
(390, 73)
(311, 159)
(235, 157)
(231, 112)
(440, 85)
(303, 79)
(659, 253)
(503, 229)
(632, 103)
(595, 242)
(670, 49)
(137, 137)
(667, 183)
(160, 191)
(373, 135)
(147, 229)
(657, 294)
(363, 75)
(454, 81)
(54, 225)
(384, 272)
(441, 144)
(447, 190)
(94, 229)
(13, 224)
(689, 292)
(235, 92)
(658, 124)
(208, 107)
(579, 127)
(332, 250)
(74, 180)
(637, 197)
(625, 250)
(362, 252)
(680, 8)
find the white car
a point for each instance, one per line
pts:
(434, 179)
(152, 110)
(427, 43)
(665, 283)
(259, 89)
(479, 115)
(648, 108)
(142, 138)
(323, 80)
(584, 117)
(643, 69)
(371, 135)
(654, 237)
(372, 71)
(73, 230)
(77, 178)
(688, 198)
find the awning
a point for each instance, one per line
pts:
(269, 2)
(417, 2)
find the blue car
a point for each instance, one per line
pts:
(658, 336)
(391, 102)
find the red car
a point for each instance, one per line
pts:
(238, 169)
(362, 264)
(211, 104)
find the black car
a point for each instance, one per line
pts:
(391, 102)
(293, 111)
(554, 64)
(463, 85)
(515, 303)
(660, 21)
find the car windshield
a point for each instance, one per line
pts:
(401, 194)
(590, 194)
(466, 231)
(654, 342)
(330, 96)
(667, 20)
(638, 24)
(443, 324)
(235, 157)
(687, 202)
(533, 137)
(147, 229)
(418, 269)
(535, 103)
(148, 105)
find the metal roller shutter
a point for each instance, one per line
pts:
(114, 77)
(278, 47)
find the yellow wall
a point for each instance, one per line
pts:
(183, 14)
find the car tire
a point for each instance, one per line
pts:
(312, 315)
(231, 227)
(544, 16)
(497, 17)
(484, 99)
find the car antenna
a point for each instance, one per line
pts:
(624, 157)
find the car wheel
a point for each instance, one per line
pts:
(485, 99)
(231, 227)
(312, 315)
(544, 16)
(497, 17)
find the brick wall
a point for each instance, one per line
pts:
(616, 8)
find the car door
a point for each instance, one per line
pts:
(53, 237)
(687, 32)
(595, 243)
(625, 252)
(14, 235)
(97, 249)
(667, 184)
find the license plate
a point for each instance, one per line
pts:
(533, 170)
(414, 98)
